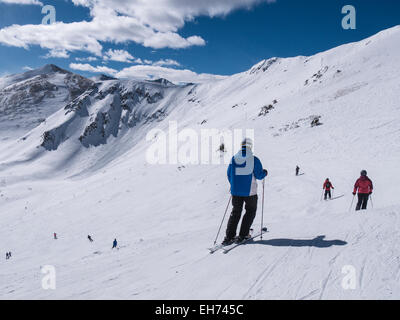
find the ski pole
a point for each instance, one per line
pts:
(262, 210)
(352, 202)
(226, 210)
(372, 204)
(322, 195)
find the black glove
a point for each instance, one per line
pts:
(266, 172)
(370, 192)
(354, 193)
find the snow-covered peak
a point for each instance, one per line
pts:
(385, 40)
(42, 71)
(29, 98)
(46, 69)
(263, 66)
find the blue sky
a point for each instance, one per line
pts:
(213, 37)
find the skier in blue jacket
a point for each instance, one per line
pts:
(243, 172)
(115, 243)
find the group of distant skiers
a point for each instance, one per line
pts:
(114, 245)
(243, 184)
(363, 187)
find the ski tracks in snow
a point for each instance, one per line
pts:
(296, 288)
(263, 276)
(324, 284)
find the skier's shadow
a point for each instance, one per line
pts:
(318, 242)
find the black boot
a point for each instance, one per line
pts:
(228, 241)
(241, 239)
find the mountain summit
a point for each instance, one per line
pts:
(27, 99)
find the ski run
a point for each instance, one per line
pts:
(82, 170)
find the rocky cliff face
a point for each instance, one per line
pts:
(107, 108)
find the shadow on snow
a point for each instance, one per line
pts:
(318, 242)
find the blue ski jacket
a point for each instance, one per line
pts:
(243, 172)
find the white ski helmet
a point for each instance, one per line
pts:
(248, 143)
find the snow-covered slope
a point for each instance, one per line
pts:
(84, 171)
(28, 99)
(99, 125)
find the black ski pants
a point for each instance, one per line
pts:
(362, 201)
(248, 218)
(328, 194)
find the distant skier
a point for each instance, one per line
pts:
(364, 187)
(327, 187)
(7, 256)
(115, 243)
(297, 170)
(243, 171)
(55, 236)
(90, 238)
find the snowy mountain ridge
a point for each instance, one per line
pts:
(84, 171)
(28, 99)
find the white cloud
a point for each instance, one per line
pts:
(170, 15)
(124, 56)
(166, 62)
(147, 72)
(174, 75)
(89, 59)
(57, 53)
(25, 2)
(151, 23)
(89, 68)
(120, 56)
(27, 68)
(58, 36)
(87, 35)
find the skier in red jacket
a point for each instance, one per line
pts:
(364, 187)
(327, 187)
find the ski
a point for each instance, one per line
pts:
(221, 246)
(216, 248)
(235, 245)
